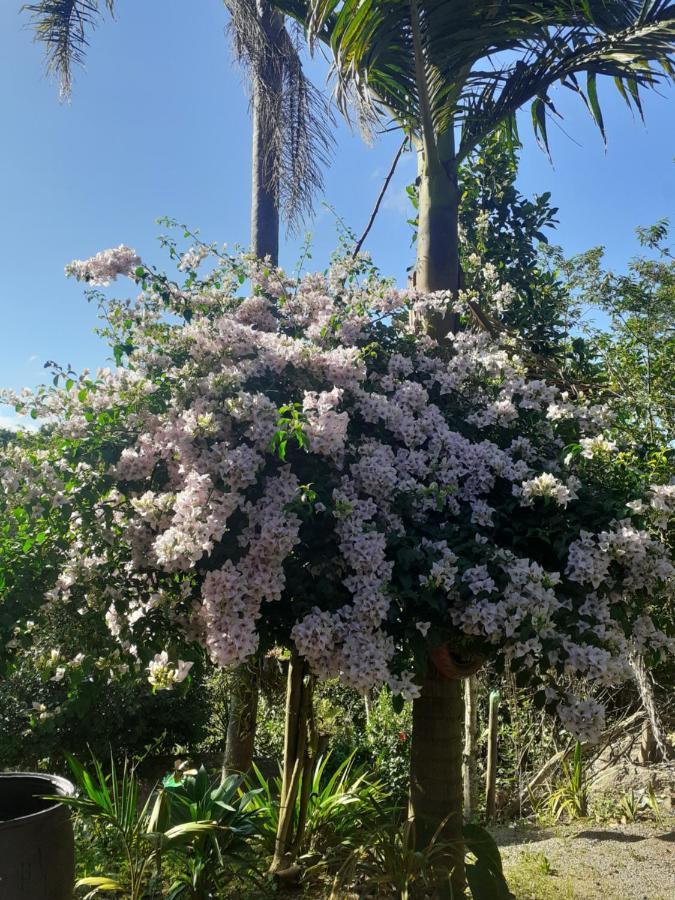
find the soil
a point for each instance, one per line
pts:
(590, 861)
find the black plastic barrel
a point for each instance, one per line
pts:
(37, 855)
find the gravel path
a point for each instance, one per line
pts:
(591, 861)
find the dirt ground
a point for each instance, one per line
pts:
(590, 862)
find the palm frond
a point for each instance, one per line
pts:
(482, 60)
(63, 27)
(638, 56)
(294, 115)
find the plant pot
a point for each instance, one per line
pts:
(37, 854)
(451, 665)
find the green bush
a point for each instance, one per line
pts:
(55, 698)
(387, 742)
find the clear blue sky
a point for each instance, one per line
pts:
(158, 125)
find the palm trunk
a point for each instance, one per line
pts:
(267, 83)
(438, 715)
(265, 180)
(437, 267)
(436, 775)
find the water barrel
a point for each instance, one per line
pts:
(37, 855)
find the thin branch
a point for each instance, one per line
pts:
(380, 197)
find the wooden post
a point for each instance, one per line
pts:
(491, 774)
(469, 773)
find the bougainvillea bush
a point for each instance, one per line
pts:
(300, 466)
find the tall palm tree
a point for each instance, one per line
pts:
(291, 143)
(449, 72)
(292, 135)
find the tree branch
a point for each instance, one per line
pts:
(380, 197)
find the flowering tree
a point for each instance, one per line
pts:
(298, 467)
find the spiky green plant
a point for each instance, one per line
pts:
(340, 809)
(570, 796)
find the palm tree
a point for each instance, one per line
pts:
(292, 135)
(291, 143)
(448, 73)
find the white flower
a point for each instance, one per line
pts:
(594, 446)
(163, 675)
(423, 627)
(105, 266)
(546, 485)
(584, 719)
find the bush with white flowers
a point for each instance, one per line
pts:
(300, 467)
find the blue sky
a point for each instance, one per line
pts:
(158, 125)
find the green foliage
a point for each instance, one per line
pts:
(570, 797)
(202, 829)
(484, 872)
(629, 806)
(214, 856)
(533, 878)
(61, 682)
(66, 689)
(637, 349)
(390, 859)
(506, 263)
(387, 741)
(340, 810)
(423, 63)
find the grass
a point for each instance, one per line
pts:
(532, 877)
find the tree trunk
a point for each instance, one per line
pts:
(469, 772)
(243, 714)
(436, 775)
(437, 266)
(436, 752)
(300, 753)
(491, 774)
(655, 741)
(267, 84)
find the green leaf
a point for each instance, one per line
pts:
(101, 883)
(592, 91)
(397, 703)
(485, 885)
(486, 875)
(538, 111)
(480, 842)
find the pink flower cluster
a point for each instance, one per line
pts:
(106, 266)
(393, 520)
